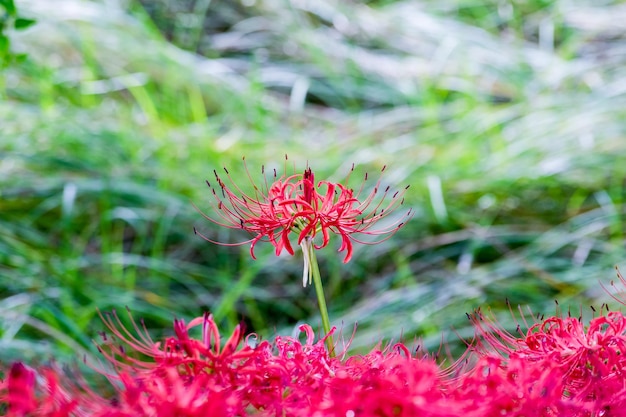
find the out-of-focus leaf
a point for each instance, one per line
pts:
(23, 23)
(4, 46)
(9, 6)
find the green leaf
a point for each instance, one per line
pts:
(9, 6)
(4, 45)
(19, 58)
(23, 23)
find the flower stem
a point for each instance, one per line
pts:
(319, 291)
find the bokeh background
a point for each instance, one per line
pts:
(506, 117)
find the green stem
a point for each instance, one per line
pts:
(319, 291)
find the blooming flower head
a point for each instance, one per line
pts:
(301, 208)
(588, 359)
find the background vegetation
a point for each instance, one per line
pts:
(505, 117)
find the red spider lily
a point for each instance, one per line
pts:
(291, 378)
(542, 375)
(298, 205)
(39, 392)
(20, 390)
(181, 351)
(515, 387)
(588, 360)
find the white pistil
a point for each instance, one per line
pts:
(306, 253)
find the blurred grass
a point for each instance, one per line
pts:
(506, 118)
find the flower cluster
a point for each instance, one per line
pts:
(558, 367)
(298, 205)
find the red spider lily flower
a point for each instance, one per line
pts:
(20, 390)
(204, 375)
(589, 359)
(178, 351)
(514, 387)
(40, 392)
(297, 205)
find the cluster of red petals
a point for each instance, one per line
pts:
(558, 367)
(297, 205)
(576, 364)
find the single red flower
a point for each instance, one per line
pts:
(297, 205)
(21, 385)
(180, 351)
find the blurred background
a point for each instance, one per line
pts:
(506, 117)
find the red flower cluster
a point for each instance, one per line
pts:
(558, 367)
(584, 365)
(298, 205)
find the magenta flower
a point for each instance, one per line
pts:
(516, 387)
(21, 383)
(297, 206)
(559, 368)
(587, 361)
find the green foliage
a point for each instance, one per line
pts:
(512, 144)
(10, 19)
